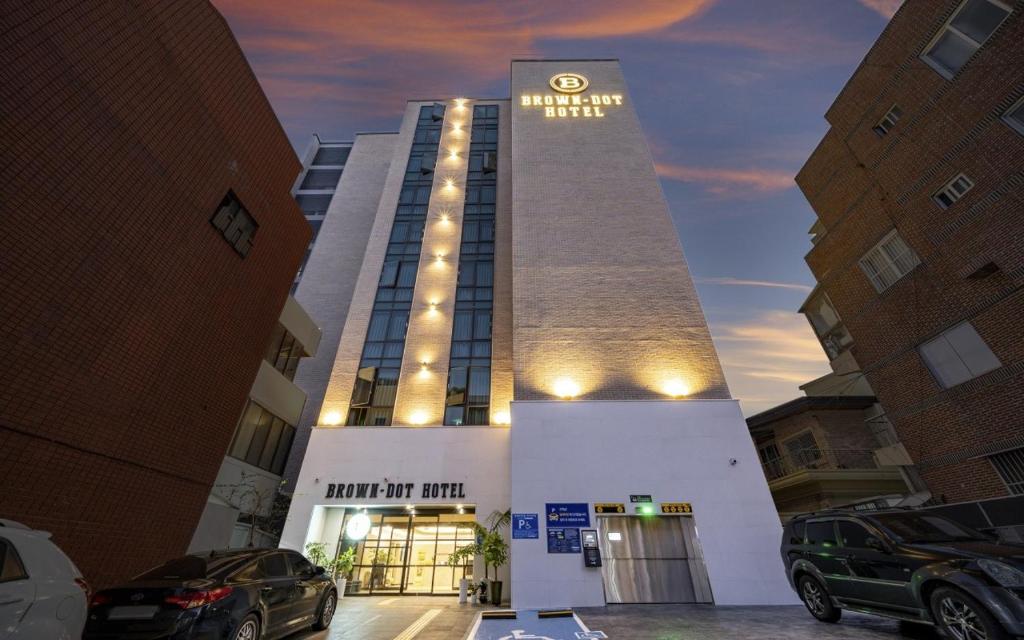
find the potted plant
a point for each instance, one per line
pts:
(457, 559)
(343, 567)
(491, 546)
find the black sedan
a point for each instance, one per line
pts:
(237, 594)
(911, 565)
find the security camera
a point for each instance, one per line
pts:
(732, 462)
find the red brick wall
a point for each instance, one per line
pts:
(862, 186)
(130, 331)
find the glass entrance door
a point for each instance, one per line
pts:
(406, 552)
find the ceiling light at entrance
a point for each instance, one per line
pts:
(566, 388)
(676, 388)
(332, 418)
(358, 526)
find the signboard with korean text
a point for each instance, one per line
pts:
(567, 514)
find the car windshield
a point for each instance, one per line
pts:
(193, 568)
(919, 527)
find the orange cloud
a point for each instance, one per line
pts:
(767, 357)
(885, 8)
(739, 282)
(720, 180)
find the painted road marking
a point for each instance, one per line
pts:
(386, 601)
(527, 627)
(421, 623)
(352, 627)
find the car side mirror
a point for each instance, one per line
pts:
(874, 543)
(319, 571)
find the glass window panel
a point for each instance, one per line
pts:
(252, 456)
(403, 295)
(461, 349)
(407, 195)
(481, 349)
(422, 195)
(385, 388)
(464, 293)
(978, 19)
(246, 428)
(453, 416)
(270, 446)
(487, 231)
(487, 195)
(397, 325)
(283, 448)
(479, 385)
(466, 274)
(476, 416)
(470, 231)
(313, 204)
(378, 326)
(399, 232)
(484, 274)
(951, 51)
(321, 179)
(972, 349)
(462, 326)
(363, 387)
(389, 274)
(482, 325)
(385, 295)
(332, 155)
(393, 349)
(407, 274)
(457, 386)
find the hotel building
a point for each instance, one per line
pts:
(509, 324)
(918, 249)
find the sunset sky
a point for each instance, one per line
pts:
(731, 94)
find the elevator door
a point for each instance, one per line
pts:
(652, 559)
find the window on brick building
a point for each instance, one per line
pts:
(1010, 467)
(952, 191)
(235, 223)
(964, 33)
(957, 355)
(1014, 116)
(888, 261)
(888, 121)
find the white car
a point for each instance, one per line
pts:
(42, 593)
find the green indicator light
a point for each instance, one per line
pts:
(645, 509)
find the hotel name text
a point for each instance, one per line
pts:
(572, 106)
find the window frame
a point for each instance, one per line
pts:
(947, 26)
(948, 190)
(943, 335)
(881, 128)
(1015, 108)
(877, 247)
(12, 552)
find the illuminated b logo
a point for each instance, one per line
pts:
(568, 83)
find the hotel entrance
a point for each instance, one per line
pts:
(406, 551)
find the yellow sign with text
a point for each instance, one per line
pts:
(572, 103)
(676, 507)
(609, 507)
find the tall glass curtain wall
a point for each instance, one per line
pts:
(373, 397)
(408, 552)
(469, 376)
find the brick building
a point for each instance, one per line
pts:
(148, 240)
(919, 243)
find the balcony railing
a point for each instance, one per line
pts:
(829, 459)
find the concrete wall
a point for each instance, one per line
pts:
(602, 294)
(330, 275)
(677, 451)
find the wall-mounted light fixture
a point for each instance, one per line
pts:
(419, 417)
(566, 388)
(676, 388)
(332, 418)
(453, 154)
(433, 306)
(460, 103)
(501, 417)
(449, 183)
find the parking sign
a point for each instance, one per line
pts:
(524, 525)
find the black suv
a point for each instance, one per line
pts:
(909, 564)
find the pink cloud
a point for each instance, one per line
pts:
(739, 282)
(723, 181)
(885, 8)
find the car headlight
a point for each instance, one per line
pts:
(1002, 573)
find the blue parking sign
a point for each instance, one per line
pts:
(524, 525)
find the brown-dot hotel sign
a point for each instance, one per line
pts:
(609, 507)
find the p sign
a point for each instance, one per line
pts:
(524, 525)
(568, 83)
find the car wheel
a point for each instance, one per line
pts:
(962, 617)
(248, 629)
(817, 600)
(326, 612)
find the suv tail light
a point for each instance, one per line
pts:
(193, 599)
(99, 599)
